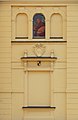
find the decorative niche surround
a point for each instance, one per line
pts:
(38, 72)
(56, 26)
(19, 23)
(24, 20)
(21, 26)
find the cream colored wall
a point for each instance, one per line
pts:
(5, 62)
(58, 92)
(14, 97)
(72, 62)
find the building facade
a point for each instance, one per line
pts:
(38, 60)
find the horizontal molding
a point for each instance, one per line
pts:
(40, 3)
(47, 3)
(38, 59)
(44, 117)
(39, 107)
(17, 91)
(58, 61)
(39, 41)
(58, 65)
(72, 90)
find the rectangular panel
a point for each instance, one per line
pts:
(38, 114)
(17, 103)
(17, 80)
(60, 103)
(60, 79)
(39, 88)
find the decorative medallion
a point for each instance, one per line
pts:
(39, 49)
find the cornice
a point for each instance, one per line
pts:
(39, 2)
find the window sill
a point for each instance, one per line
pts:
(56, 37)
(38, 40)
(21, 37)
(51, 107)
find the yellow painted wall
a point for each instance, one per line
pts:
(5, 62)
(72, 62)
(12, 75)
(19, 84)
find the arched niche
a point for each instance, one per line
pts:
(21, 25)
(39, 26)
(56, 27)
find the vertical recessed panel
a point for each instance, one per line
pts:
(39, 88)
(56, 25)
(21, 25)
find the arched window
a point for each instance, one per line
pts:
(39, 26)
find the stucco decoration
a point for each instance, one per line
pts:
(52, 53)
(25, 53)
(39, 49)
